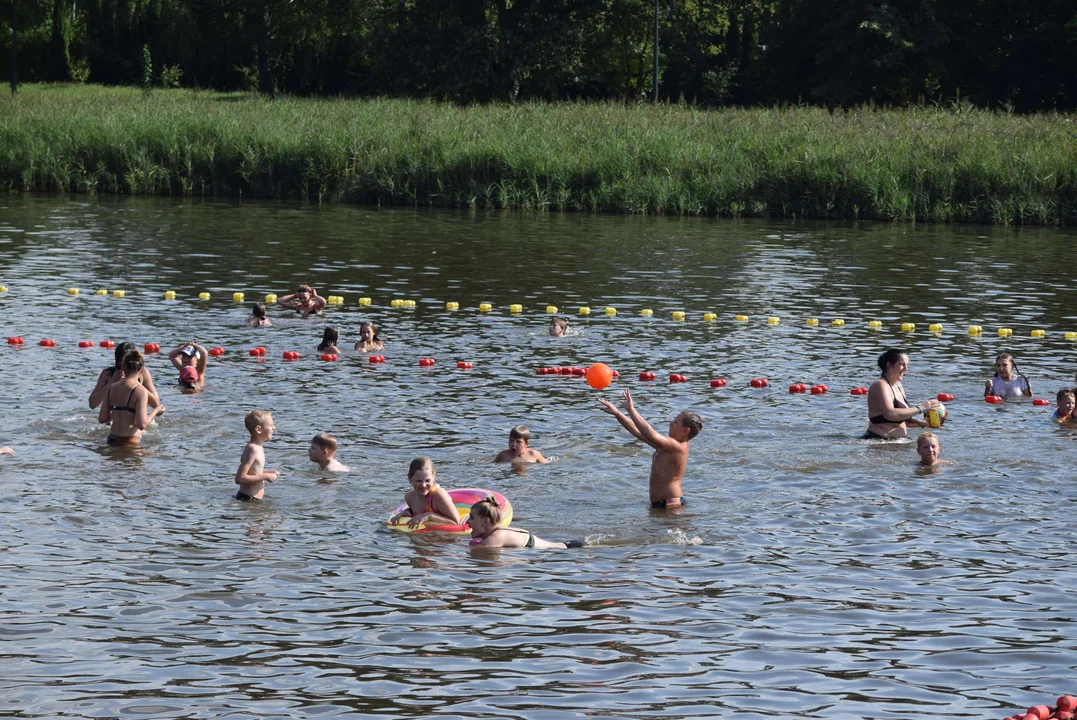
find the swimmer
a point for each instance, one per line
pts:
(305, 301)
(323, 449)
(427, 501)
(558, 327)
(130, 418)
(330, 338)
(110, 375)
(670, 451)
(258, 318)
(5, 450)
(888, 408)
(1008, 381)
(368, 339)
(1065, 401)
(252, 475)
(519, 450)
(928, 448)
(190, 359)
(486, 530)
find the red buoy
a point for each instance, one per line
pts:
(993, 399)
(376, 358)
(46, 343)
(217, 351)
(463, 365)
(107, 344)
(85, 343)
(759, 383)
(859, 391)
(14, 341)
(151, 348)
(647, 376)
(1041, 402)
(798, 388)
(818, 389)
(329, 357)
(945, 397)
(718, 382)
(426, 362)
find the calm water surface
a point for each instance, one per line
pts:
(811, 575)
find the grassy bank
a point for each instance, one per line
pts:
(916, 164)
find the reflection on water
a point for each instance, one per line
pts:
(810, 574)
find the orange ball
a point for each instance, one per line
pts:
(599, 376)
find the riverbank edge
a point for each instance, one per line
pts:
(953, 165)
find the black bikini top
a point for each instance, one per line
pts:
(127, 407)
(898, 405)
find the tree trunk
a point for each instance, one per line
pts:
(58, 67)
(266, 86)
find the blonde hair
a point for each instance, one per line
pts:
(520, 432)
(255, 418)
(325, 441)
(487, 508)
(421, 463)
(132, 362)
(928, 436)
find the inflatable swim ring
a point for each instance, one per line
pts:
(463, 499)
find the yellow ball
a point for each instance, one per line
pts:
(678, 315)
(975, 329)
(237, 297)
(485, 307)
(908, 327)
(812, 322)
(1038, 333)
(395, 302)
(611, 311)
(364, 301)
(170, 294)
(551, 309)
(875, 323)
(709, 317)
(72, 291)
(585, 310)
(742, 318)
(935, 327)
(1005, 332)
(3, 288)
(101, 292)
(203, 296)
(118, 293)
(773, 320)
(452, 306)
(646, 312)
(1071, 336)
(516, 308)
(409, 303)
(837, 322)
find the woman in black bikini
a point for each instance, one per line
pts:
(108, 376)
(888, 409)
(131, 418)
(486, 530)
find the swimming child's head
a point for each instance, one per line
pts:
(330, 337)
(1066, 402)
(686, 425)
(485, 516)
(132, 363)
(259, 423)
(558, 326)
(258, 310)
(519, 439)
(367, 332)
(189, 375)
(928, 448)
(1005, 367)
(421, 475)
(893, 358)
(322, 447)
(121, 350)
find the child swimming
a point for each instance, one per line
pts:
(486, 530)
(114, 373)
(5, 450)
(519, 450)
(190, 359)
(1008, 381)
(670, 451)
(1065, 401)
(368, 339)
(258, 318)
(928, 448)
(323, 449)
(131, 418)
(558, 327)
(252, 475)
(427, 501)
(330, 338)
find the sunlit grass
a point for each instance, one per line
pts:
(935, 164)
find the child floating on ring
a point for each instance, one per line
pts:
(323, 449)
(519, 450)
(258, 318)
(670, 451)
(427, 501)
(368, 339)
(1066, 402)
(330, 338)
(1008, 381)
(486, 530)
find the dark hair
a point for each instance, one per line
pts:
(258, 310)
(121, 350)
(560, 322)
(364, 324)
(132, 362)
(520, 432)
(488, 508)
(303, 288)
(325, 441)
(331, 336)
(888, 358)
(693, 422)
(1008, 356)
(1064, 392)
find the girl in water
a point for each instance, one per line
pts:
(888, 409)
(126, 403)
(258, 318)
(330, 338)
(486, 530)
(368, 339)
(1008, 381)
(109, 375)
(427, 501)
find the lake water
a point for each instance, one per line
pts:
(811, 575)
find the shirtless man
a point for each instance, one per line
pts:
(670, 451)
(305, 301)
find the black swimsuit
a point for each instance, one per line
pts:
(127, 407)
(113, 438)
(898, 405)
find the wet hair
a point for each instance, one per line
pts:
(520, 432)
(1018, 373)
(325, 441)
(121, 350)
(487, 508)
(889, 357)
(421, 463)
(693, 422)
(258, 310)
(928, 436)
(1064, 392)
(255, 418)
(560, 322)
(304, 288)
(331, 336)
(373, 330)
(132, 362)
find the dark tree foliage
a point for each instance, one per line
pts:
(998, 53)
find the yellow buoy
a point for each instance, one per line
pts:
(742, 318)
(774, 320)
(709, 317)
(908, 327)
(1071, 336)
(935, 327)
(170, 294)
(551, 309)
(837, 322)
(875, 323)
(812, 322)
(364, 301)
(585, 310)
(611, 311)
(1038, 333)
(118, 293)
(452, 306)
(395, 302)
(203, 296)
(646, 312)
(271, 298)
(516, 308)
(72, 291)
(102, 292)
(1005, 332)
(975, 329)
(485, 307)
(3, 288)
(237, 297)
(678, 315)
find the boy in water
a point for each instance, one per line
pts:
(518, 450)
(670, 451)
(928, 448)
(252, 475)
(322, 450)
(1064, 411)
(558, 327)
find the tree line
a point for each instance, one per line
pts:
(994, 53)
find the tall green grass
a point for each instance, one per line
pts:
(923, 164)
